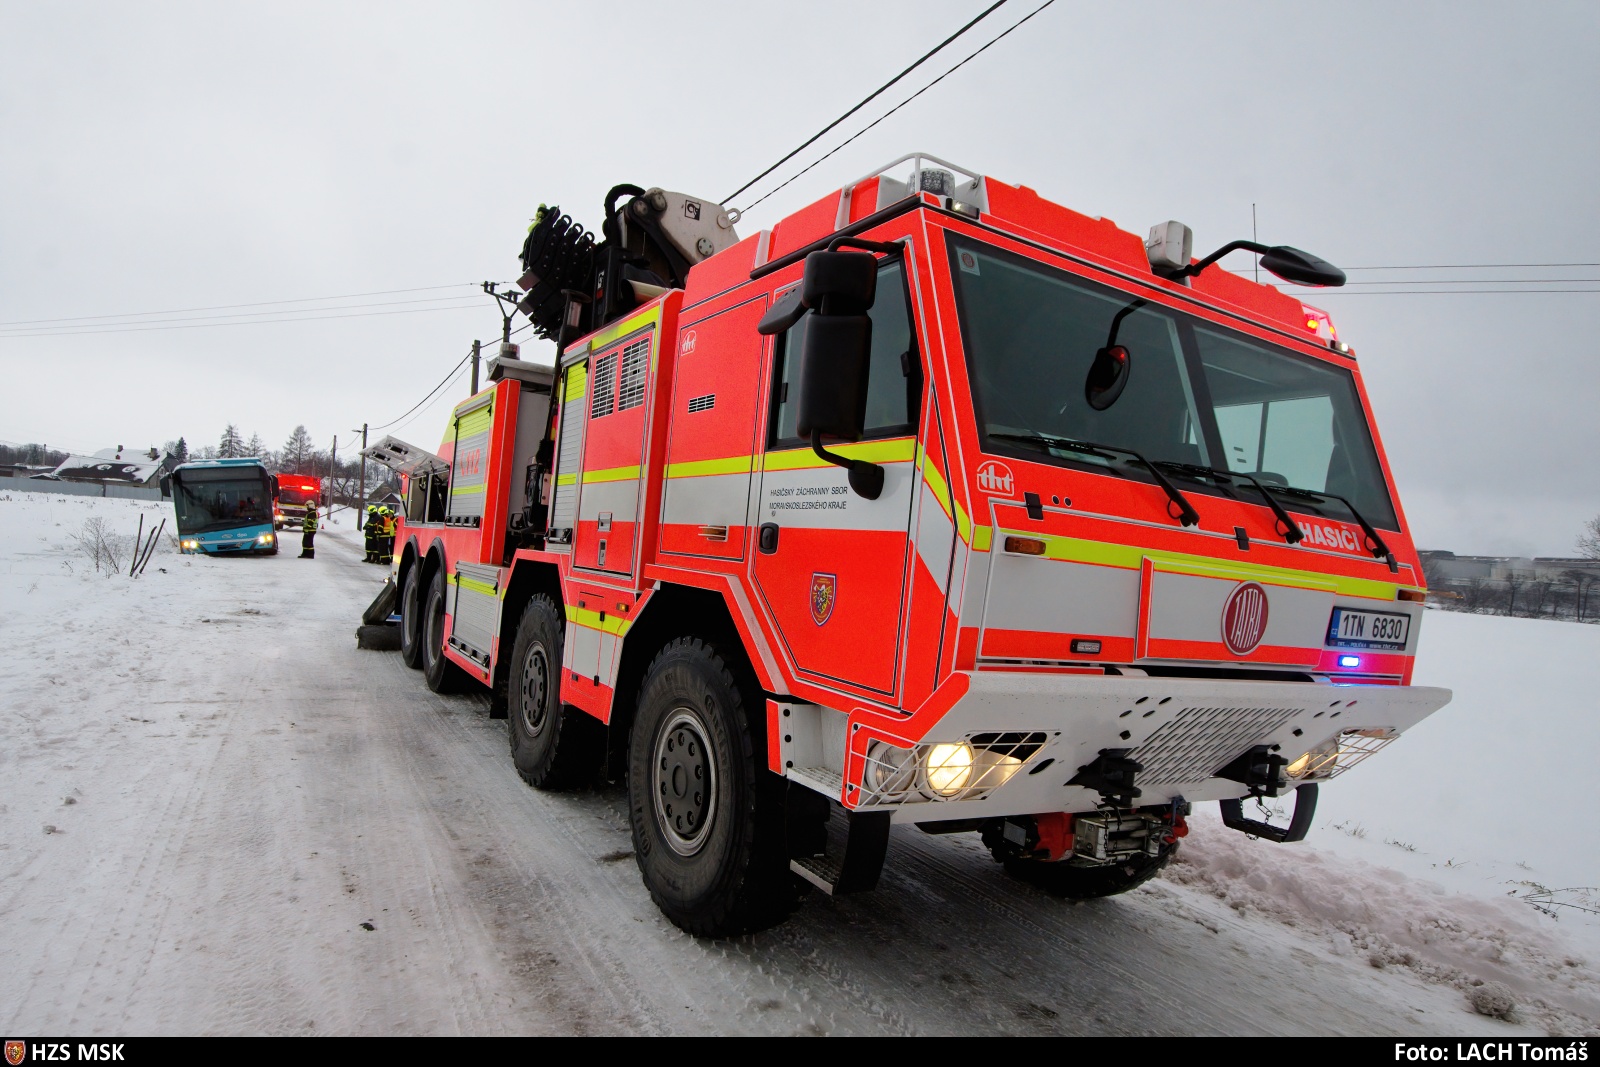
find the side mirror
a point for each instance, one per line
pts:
(1108, 377)
(1301, 268)
(836, 358)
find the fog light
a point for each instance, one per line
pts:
(949, 768)
(890, 770)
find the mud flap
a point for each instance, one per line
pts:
(1305, 807)
(853, 856)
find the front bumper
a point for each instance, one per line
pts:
(1182, 731)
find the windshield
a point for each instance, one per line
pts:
(1196, 393)
(219, 499)
(288, 494)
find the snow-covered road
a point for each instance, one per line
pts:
(220, 817)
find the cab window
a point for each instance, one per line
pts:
(894, 384)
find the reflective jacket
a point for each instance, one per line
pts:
(309, 523)
(387, 528)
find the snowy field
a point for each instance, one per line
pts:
(219, 817)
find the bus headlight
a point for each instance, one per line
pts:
(190, 546)
(265, 539)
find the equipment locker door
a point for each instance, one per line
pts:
(834, 578)
(606, 532)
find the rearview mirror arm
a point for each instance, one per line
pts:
(866, 479)
(1201, 264)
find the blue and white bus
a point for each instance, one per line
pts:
(224, 507)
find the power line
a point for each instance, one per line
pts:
(259, 316)
(454, 378)
(904, 102)
(229, 307)
(262, 322)
(424, 400)
(875, 94)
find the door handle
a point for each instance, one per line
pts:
(767, 538)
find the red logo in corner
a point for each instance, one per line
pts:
(995, 477)
(823, 587)
(15, 1051)
(1244, 618)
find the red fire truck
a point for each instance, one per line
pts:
(294, 490)
(937, 503)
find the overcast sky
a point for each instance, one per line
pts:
(157, 157)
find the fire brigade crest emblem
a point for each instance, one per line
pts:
(15, 1051)
(822, 590)
(1244, 618)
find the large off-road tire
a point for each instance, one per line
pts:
(554, 745)
(441, 675)
(707, 815)
(1062, 879)
(411, 617)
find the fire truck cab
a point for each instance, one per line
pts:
(937, 503)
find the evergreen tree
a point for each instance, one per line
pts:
(255, 446)
(180, 451)
(299, 452)
(231, 445)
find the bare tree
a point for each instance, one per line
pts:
(1582, 583)
(1513, 582)
(1589, 540)
(98, 543)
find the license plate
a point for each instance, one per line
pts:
(1368, 629)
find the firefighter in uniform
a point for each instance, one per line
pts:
(308, 531)
(386, 536)
(370, 528)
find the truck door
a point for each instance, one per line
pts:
(834, 577)
(606, 531)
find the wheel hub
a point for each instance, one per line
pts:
(535, 685)
(683, 785)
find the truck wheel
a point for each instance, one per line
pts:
(442, 676)
(411, 619)
(1062, 879)
(707, 816)
(554, 746)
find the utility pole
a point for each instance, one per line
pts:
(475, 351)
(333, 469)
(361, 497)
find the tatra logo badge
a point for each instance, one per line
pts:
(15, 1051)
(822, 590)
(1244, 618)
(995, 477)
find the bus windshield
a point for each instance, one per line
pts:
(221, 498)
(1197, 393)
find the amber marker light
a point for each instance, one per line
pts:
(1025, 546)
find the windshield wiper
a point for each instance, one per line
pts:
(1379, 550)
(1291, 531)
(1187, 515)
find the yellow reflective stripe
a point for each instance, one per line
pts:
(1130, 557)
(477, 422)
(612, 624)
(465, 490)
(981, 538)
(700, 467)
(898, 450)
(576, 383)
(611, 474)
(947, 501)
(624, 328)
(472, 585)
(566, 479)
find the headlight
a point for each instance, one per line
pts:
(949, 768)
(1320, 762)
(265, 539)
(191, 544)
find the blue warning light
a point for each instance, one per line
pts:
(1349, 661)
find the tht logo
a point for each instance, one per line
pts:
(1244, 618)
(995, 477)
(686, 346)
